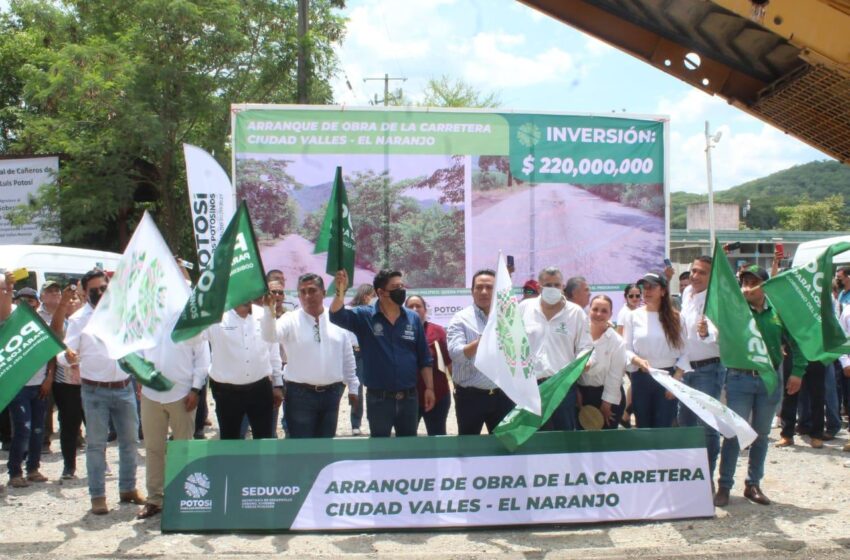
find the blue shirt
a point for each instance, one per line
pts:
(392, 354)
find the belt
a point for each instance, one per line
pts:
(314, 388)
(393, 395)
(750, 372)
(489, 392)
(702, 363)
(106, 384)
(237, 388)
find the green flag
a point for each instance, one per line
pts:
(145, 372)
(741, 343)
(26, 344)
(520, 424)
(803, 298)
(233, 276)
(337, 234)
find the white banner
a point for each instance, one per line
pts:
(212, 199)
(19, 180)
(509, 490)
(710, 410)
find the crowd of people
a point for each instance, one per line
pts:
(269, 360)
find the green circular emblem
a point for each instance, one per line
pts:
(528, 134)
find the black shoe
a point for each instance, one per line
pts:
(721, 499)
(753, 493)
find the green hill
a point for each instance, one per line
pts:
(815, 180)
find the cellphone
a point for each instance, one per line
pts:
(735, 245)
(510, 259)
(779, 250)
(668, 262)
(20, 274)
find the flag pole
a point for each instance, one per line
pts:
(339, 225)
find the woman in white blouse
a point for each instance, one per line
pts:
(632, 296)
(653, 336)
(600, 385)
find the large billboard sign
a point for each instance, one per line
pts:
(438, 193)
(20, 179)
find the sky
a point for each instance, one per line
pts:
(535, 63)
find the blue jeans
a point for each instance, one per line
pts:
(312, 414)
(565, 417)
(652, 409)
(709, 380)
(746, 395)
(357, 410)
(385, 413)
(99, 404)
(435, 419)
(28, 429)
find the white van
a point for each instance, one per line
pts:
(808, 251)
(50, 262)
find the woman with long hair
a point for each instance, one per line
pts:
(363, 296)
(435, 335)
(653, 336)
(601, 385)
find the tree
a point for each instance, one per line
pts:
(826, 215)
(448, 92)
(267, 188)
(117, 86)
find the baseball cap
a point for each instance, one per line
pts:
(50, 284)
(653, 278)
(532, 287)
(757, 271)
(26, 292)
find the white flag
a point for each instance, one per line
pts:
(503, 353)
(211, 198)
(144, 298)
(710, 410)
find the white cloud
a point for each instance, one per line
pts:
(494, 62)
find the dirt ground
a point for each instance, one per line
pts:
(809, 519)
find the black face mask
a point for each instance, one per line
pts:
(94, 296)
(398, 296)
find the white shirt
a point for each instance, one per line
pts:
(556, 342)
(645, 338)
(95, 363)
(609, 366)
(621, 316)
(693, 308)
(185, 363)
(325, 361)
(239, 354)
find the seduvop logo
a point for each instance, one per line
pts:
(196, 486)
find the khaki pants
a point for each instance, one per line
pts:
(156, 418)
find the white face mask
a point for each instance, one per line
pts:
(551, 295)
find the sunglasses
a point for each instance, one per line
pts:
(276, 292)
(634, 296)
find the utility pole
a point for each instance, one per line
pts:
(301, 83)
(710, 142)
(386, 79)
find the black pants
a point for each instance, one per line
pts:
(70, 407)
(593, 396)
(5, 426)
(202, 411)
(233, 402)
(476, 408)
(814, 383)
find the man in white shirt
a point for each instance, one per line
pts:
(106, 392)
(186, 365)
(558, 330)
(707, 373)
(320, 362)
(245, 375)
